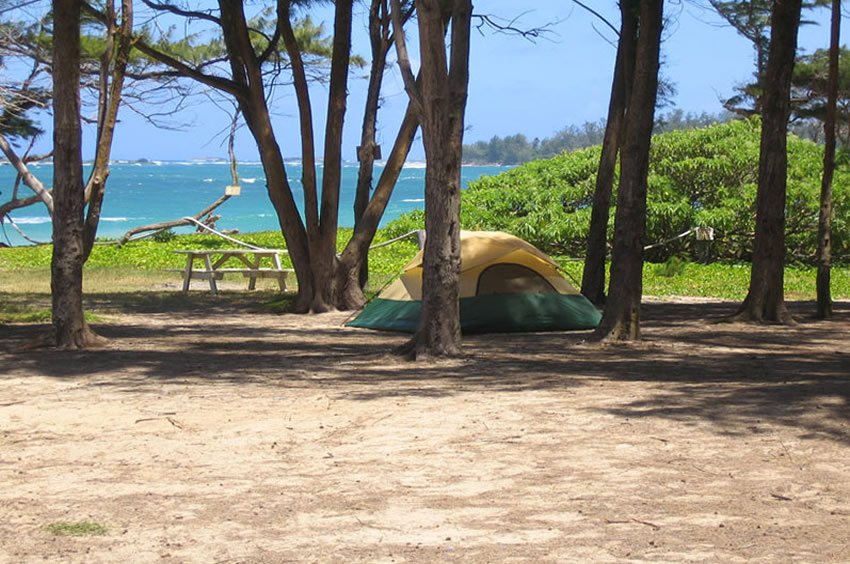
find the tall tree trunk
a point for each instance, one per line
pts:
(108, 104)
(301, 86)
(824, 252)
(366, 153)
(323, 250)
(442, 105)
(250, 95)
(322, 219)
(765, 300)
(312, 247)
(70, 328)
(621, 317)
(593, 275)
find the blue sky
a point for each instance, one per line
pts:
(515, 86)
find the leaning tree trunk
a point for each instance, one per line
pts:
(247, 86)
(593, 275)
(353, 258)
(70, 328)
(367, 151)
(109, 103)
(621, 317)
(765, 300)
(824, 252)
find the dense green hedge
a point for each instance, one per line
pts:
(697, 177)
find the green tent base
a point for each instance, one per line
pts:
(497, 313)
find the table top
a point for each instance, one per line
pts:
(231, 251)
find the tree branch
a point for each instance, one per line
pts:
(602, 18)
(508, 27)
(212, 81)
(13, 205)
(404, 59)
(42, 194)
(217, 82)
(181, 12)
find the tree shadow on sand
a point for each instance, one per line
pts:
(732, 375)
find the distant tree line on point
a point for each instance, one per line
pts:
(518, 149)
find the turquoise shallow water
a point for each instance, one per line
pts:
(143, 193)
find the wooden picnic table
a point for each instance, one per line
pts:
(214, 268)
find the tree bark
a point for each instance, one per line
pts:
(69, 325)
(765, 299)
(247, 85)
(301, 86)
(593, 275)
(323, 250)
(322, 277)
(824, 251)
(441, 104)
(354, 256)
(108, 105)
(621, 317)
(379, 39)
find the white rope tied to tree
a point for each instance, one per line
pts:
(395, 240)
(254, 247)
(670, 240)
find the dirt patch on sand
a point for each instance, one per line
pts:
(209, 434)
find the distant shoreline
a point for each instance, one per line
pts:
(216, 161)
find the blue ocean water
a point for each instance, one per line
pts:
(139, 193)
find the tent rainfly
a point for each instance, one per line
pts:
(506, 285)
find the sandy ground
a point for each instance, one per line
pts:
(211, 432)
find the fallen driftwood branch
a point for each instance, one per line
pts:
(154, 228)
(204, 219)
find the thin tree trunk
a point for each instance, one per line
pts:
(439, 326)
(250, 95)
(824, 252)
(109, 103)
(621, 317)
(160, 226)
(380, 45)
(301, 86)
(354, 256)
(69, 325)
(765, 300)
(323, 251)
(593, 275)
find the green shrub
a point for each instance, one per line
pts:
(164, 236)
(697, 177)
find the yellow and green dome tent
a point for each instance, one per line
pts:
(506, 285)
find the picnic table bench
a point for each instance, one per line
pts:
(213, 267)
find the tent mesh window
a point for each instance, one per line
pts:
(512, 279)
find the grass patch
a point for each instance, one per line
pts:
(14, 314)
(78, 529)
(141, 267)
(24, 313)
